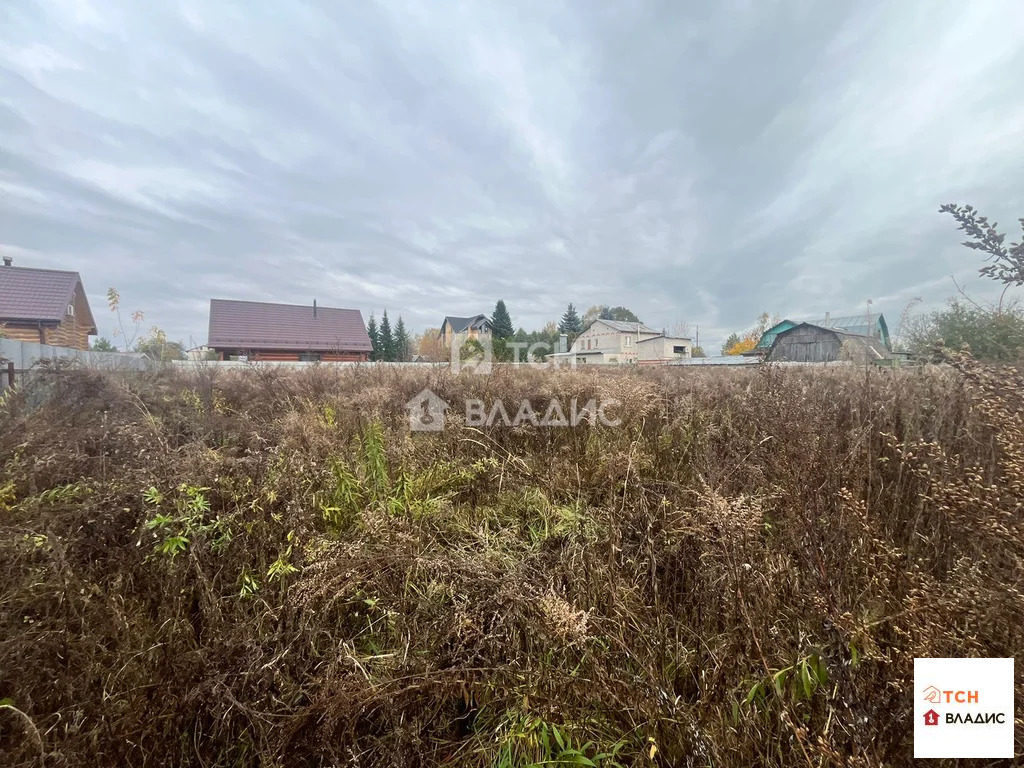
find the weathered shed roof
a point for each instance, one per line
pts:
(40, 295)
(259, 325)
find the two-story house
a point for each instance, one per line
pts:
(457, 329)
(611, 342)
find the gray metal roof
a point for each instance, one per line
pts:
(862, 323)
(718, 360)
(625, 327)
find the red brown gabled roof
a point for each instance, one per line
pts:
(258, 325)
(40, 295)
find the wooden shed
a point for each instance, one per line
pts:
(808, 343)
(870, 324)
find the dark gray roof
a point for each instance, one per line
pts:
(39, 294)
(460, 324)
(258, 325)
(623, 326)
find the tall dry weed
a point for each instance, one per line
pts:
(266, 567)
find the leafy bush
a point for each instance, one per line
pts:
(989, 334)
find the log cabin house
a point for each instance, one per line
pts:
(255, 330)
(45, 306)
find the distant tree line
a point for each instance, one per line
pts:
(506, 337)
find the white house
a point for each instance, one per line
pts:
(662, 349)
(615, 342)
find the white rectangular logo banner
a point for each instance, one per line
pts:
(963, 708)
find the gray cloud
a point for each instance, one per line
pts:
(695, 165)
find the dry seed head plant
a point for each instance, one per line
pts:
(266, 568)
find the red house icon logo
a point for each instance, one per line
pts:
(931, 717)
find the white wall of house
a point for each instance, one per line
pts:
(618, 347)
(661, 349)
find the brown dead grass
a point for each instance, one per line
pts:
(739, 574)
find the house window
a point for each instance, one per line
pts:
(629, 341)
(71, 310)
(679, 350)
(309, 357)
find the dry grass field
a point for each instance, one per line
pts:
(266, 568)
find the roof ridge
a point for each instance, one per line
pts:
(281, 304)
(42, 269)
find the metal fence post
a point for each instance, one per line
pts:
(10, 373)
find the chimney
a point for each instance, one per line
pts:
(563, 343)
(314, 308)
(8, 261)
(828, 316)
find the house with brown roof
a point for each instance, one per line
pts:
(256, 330)
(47, 306)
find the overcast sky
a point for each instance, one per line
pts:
(696, 166)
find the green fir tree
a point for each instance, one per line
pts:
(570, 324)
(501, 322)
(374, 334)
(403, 352)
(387, 341)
